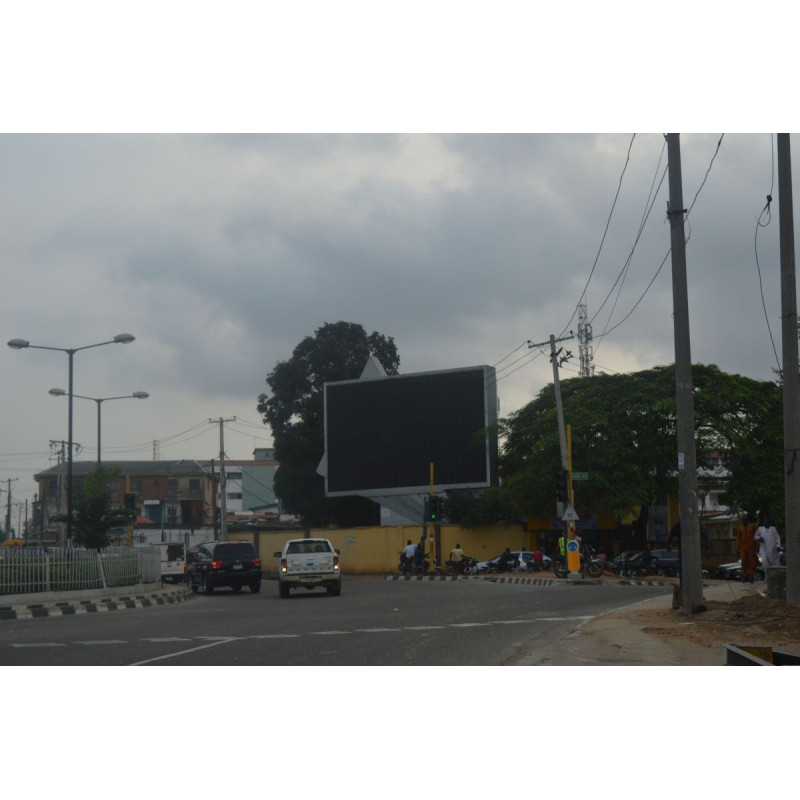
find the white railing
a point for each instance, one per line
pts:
(29, 569)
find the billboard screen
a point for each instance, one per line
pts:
(382, 434)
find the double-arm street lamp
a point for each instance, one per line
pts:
(99, 401)
(21, 344)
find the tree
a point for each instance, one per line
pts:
(92, 513)
(295, 413)
(624, 435)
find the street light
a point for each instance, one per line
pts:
(21, 344)
(99, 400)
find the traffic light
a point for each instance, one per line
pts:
(130, 506)
(562, 486)
(433, 508)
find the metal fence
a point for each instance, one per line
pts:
(33, 569)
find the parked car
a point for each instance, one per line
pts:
(521, 559)
(233, 564)
(733, 571)
(666, 562)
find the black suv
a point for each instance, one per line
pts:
(233, 564)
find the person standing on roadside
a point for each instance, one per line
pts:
(746, 545)
(769, 542)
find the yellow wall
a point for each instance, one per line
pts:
(377, 550)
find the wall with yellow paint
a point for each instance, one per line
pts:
(377, 550)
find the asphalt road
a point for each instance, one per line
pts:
(374, 622)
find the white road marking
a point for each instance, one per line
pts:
(105, 641)
(185, 652)
(40, 644)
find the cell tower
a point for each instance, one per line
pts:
(585, 343)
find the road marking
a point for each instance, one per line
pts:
(105, 641)
(40, 644)
(469, 625)
(275, 636)
(185, 652)
(426, 627)
(328, 633)
(376, 630)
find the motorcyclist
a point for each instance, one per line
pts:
(409, 551)
(457, 554)
(506, 560)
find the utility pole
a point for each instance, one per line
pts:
(8, 508)
(791, 373)
(223, 513)
(562, 430)
(691, 568)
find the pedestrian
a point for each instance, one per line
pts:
(769, 542)
(746, 545)
(457, 554)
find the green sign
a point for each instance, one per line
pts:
(580, 476)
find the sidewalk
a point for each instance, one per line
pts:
(652, 633)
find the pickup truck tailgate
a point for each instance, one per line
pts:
(310, 562)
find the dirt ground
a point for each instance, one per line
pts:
(750, 620)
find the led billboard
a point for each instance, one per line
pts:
(382, 434)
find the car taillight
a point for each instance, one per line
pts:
(336, 562)
(216, 564)
(256, 562)
(284, 567)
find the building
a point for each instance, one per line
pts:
(249, 485)
(168, 492)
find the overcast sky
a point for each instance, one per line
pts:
(220, 253)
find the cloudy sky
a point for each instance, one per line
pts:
(219, 253)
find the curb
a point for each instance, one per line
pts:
(98, 605)
(529, 581)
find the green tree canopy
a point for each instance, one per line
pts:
(92, 513)
(295, 413)
(624, 435)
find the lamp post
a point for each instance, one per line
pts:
(21, 344)
(99, 400)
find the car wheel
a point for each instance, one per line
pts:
(283, 588)
(255, 587)
(335, 590)
(208, 587)
(194, 587)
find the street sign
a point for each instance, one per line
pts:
(572, 546)
(570, 515)
(580, 476)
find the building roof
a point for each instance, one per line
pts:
(183, 467)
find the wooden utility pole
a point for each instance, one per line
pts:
(691, 568)
(791, 373)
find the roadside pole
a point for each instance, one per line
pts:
(692, 578)
(791, 380)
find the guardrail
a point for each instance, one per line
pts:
(32, 569)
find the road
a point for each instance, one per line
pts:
(374, 622)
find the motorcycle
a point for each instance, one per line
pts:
(411, 566)
(467, 566)
(590, 564)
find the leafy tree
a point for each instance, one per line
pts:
(624, 434)
(92, 513)
(294, 411)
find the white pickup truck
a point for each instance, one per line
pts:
(309, 563)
